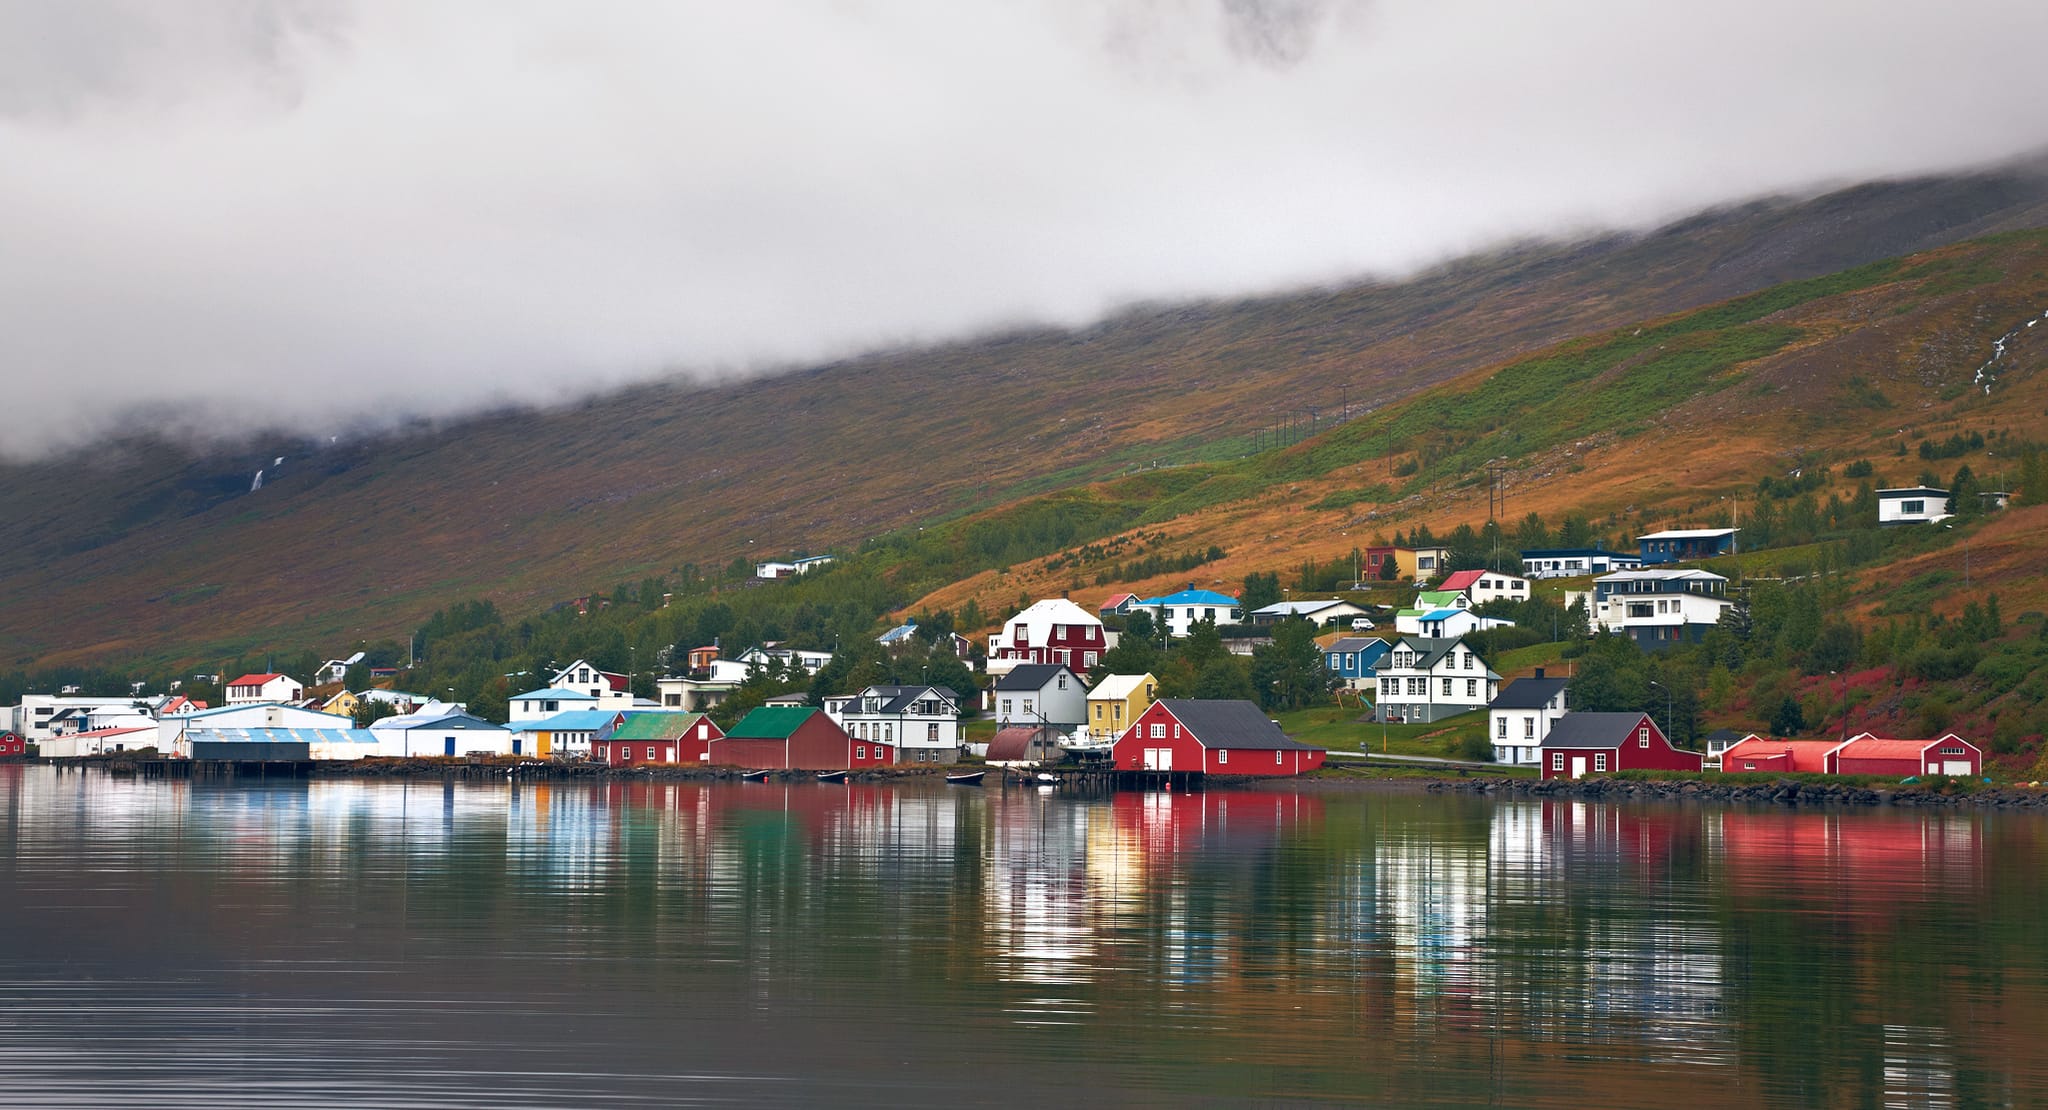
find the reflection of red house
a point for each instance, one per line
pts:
(1857, 855)
(788, 737)
(1175, 820)
(1872, 755)
(1211, 737)
(1601, 743)
(1762, 753)
(12, 745)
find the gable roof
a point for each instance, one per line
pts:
(1595, 730)
(1804, 755)
(1690, 534)
(1430, 650)
(1870, 746)
(554, 693)
(1115, 600)
(255, 679)
(575, 720)
(1528, 693)
(1194, 597)
(1231, 724)
(1120, 686)
(451, 721)
(1461, 579)
(895, 699)
(649, 725)
(1365, 644)
(1910, 491)
(1039, 617)
(1031, 676)
(1303, 608)
(1437, 599)
(770, 722)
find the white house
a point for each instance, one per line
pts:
(1180, 612)
(1451, 624)
(443, 734)
(1053, 632)
(97, 742)
(335, 670)
(612, 690)
(1482, 586)
(251, 689)
(1912, 505)
(1658, 608)
(536, 705)
(1424, 680)
(922, 722)
(790, 568)
(171, 730)
(1334, 612)
(1040, 694)
(1571, 562)
(773, 655)
(1520, 717)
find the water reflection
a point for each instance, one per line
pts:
(505, 944)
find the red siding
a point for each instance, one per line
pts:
(1630, 756)
(10, 744)
(628, 753)
(816, 745)
(1190, 754)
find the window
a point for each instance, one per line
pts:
(888, 732)
(1600, 761)
(1063, 678)
(1502, 730)
(1276, 757)
(1006, 707)
(1915, 507)
(1223, 756)
(1158, 732)
(1643, 737)
(1098, 711)
(1557, 761)
(1088, 659)
(1333, 660)
(1176, 730)
(1952, 751)
(703, 730)
(860, 752)
(1447, 687)
(1528, 728)
(931, 732)
(1027, 707)
(1468, 660)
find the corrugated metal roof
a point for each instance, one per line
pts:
(770, 722)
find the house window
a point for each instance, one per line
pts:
(1600, 761)
(1223, 756)
(931, 732)
(1176, 730)
(860, 751)
(1557, 761)
(1088, 659)
(1471, 687)
(1643, 737)
(703, 730)
(1528, 728)
(1027, 707)
(1098, 711)
(1063, 678)
(1952, 751)
(1502, 731)
(888, 732)
(1006, 707)
(1276, 757)
(1447, 687)
(1914, 507)
(1159, 732)
(1468, 660)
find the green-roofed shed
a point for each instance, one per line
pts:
(795, 737)
(654, 736)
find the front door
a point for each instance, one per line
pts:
(515, 747)
(448, 746)
(1578, 766)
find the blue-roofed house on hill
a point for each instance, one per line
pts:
(1179, 612)
(1684, 545)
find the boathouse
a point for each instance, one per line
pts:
(1580, 744)
(1181, 735)
(1873, 755)
(657, 737)
(788, 738)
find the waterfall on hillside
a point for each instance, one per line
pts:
(1984, 376)
(257, 484)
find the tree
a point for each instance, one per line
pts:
(1260, 590)
(1202, 645)
(1288, 672)
(1575, 531)
(1390, 568)
(1962, 493)
(1788, 719)
(1133, 654)
(1532, 534)
(1835, 648)
(368, 711)
(1224, 678)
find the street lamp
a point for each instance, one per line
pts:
(1667, 707)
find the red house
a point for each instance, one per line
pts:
(656, 737)
(1755, 753)
(1051, 631)
(795, 738)
(1211, 737)
(12, 745)
(1580, 744)
(1872, 755)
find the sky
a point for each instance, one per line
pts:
(223, 215)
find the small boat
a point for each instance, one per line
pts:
(833, 776)
(965, 778)
(754, 776)
(1046, 778)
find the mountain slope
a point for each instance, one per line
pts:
(149, 548)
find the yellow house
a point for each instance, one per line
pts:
(1116, 701)
(343, 704)
(1420, 564)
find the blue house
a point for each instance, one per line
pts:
(1179, 612)
(1571, 562)
(1355, 660)
(1684, 545)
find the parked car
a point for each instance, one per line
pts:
(1361, 624)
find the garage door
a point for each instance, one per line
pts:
(1955, 767)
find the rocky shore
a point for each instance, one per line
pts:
(1783, 792)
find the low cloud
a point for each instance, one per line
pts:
(324, 213)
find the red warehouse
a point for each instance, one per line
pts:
(1580, 744)
(1211, 737)
(653, 737)
(1762, 754)
(1872, 755)
(795, 738)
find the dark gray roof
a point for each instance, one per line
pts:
(1030, 676)
(1358, 643)
(1429, 650)
(1231, 724)
(1528, 693)
(899, 699)
(1594, 730)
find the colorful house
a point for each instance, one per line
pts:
(920, 724)
(1115, 702)
(1179, 612)
(563, 736)
(1580, 744)
(1521, 717)
(795, 739)
(12, 745)
(1482, 586)
(1422, 680)
(1355, 660)
(1052, 631)
(1211, 737)
(1118, 605)
(650, 736)
(342, 704)
(251, 689)
(1683, 545)
(1872, 755)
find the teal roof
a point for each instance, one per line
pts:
(575, 720)
(770, 722)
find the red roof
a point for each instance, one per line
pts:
(99, 732)
(617, 681)
(1872, 747)
(1461, 580)
(254, 679)
(1114, 600)
(1801, 756)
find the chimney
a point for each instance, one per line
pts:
(1539, 672)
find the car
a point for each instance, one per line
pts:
(1361, 624)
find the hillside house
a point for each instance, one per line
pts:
(1580, 744)
(656, 736)
(1912, 505)
(790, 568)
(1211, 737)
(611, 689)
(1334, 612)
(1054, 631)
(770, 656)
(1451, 624)
(1115, 702)
(795, 739)
(904, 636)
(1355, 660)
(1179, 612)
(335, 670)
(920, 724)
(1425, 680)
(1520, 718)
(1658, 608)
(342, 704)
(1574, 562)
(1118, 605)
(1482, 586)
(1685, 545)
(1039, 694)
(253, 689)
(1422, 564)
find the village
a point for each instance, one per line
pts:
(1045, 694)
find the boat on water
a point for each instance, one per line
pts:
(833, 776)
(1046, 778)
(754, 776)
(965, 778)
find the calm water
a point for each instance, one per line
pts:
(399, 945)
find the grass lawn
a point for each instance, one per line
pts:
(1550, 656)
(1345, 730)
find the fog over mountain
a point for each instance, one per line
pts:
(223, 215)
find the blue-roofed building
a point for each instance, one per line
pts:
(1355, 660)
(1573, 562)
(1684, 545)
(536, 705)
(1179, 612)
(564, 734)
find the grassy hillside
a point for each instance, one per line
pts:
(147, 549)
